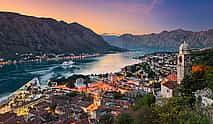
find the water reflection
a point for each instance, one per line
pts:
(108, 63)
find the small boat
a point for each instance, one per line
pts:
(68, 63)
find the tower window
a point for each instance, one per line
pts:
(180, 59)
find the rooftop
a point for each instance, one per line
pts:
(171, 84)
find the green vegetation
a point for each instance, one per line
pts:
(129, 74)
(148, 70)
(145, 100)
(145, 115)
(124, 118)
(184, 109)
(209, 78)
(106, 119)
(191, 84)
(175, 110)
(137, 67)
(179, 110)
(205, 58)
(69, 82)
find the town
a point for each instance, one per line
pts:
(30, 57)
(87, 99)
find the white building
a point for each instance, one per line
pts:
(79, 82)
(167, 89)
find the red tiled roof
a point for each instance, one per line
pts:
(172, 77)
(171, 84)
(11, 118)
(6, 116)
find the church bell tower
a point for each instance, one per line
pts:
(184, 64)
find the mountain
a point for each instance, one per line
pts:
(110, 38)
(21, 34)
(164, 39)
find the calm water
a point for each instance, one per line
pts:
(14, 76)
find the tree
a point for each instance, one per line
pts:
(178, 110)
(175, 110)
(145, 115)
(72, 79)
(145, 100)
(106, 119)
(185, 87)
(191, 84)
(129, 74)
(124, 118)
(209, 78)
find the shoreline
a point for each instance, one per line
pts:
(3, 63)
(5, 98)
(137, 58)
(11, 95)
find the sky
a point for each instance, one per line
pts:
(121, 16)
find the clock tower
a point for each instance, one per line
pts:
(184, 64)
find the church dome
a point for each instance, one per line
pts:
(184, 48)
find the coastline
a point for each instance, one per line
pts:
(6, 99)
(11, 94)
(132, 81)
(8, 96)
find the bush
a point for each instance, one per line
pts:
(145, 100)
(124, 118)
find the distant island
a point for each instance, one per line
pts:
(165, 39)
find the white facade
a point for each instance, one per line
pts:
(79, 82)
(166, 92)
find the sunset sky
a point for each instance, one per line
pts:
(121, 16)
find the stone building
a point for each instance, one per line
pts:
(184, 64)
(184, 67)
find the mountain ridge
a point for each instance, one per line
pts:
(164, 39)
(21, 34)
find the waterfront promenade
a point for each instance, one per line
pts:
(12, 95)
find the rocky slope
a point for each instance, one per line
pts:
(164, 39)
(110, 38)
(19, 33)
